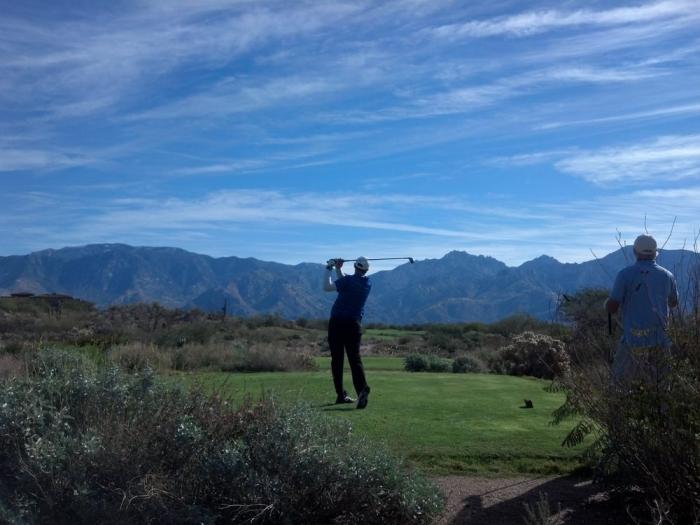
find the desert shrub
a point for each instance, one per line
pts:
(531, 354)
(438, 364)
(519, 323)
(227, 357)
(541, 512)
(139, 356)
(645, 433)
(212, 356)
(11, 365)
(270, 358)
(426, 363)
(452, 338)
(85, 445)
(466, 363)
(416, 363)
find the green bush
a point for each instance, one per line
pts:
(79, 445)
(426, 363)
(136, 357)
(224, 357)
(531, 354)
(416, 363)
(438, 364)
(644, 434)
(465, 364)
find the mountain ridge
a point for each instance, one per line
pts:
(456, 287)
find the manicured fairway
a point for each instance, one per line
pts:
(443, 422)
(389, 334)
(373, 363)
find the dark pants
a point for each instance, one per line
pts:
(344, 335)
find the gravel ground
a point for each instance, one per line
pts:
(495, 501)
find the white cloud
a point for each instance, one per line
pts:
(535, 22)
(38, 159)
(232, 96)
(679, 110)
(223, 168)
(663, 159)
(309, 225)
(93, 66)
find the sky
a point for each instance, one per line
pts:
(296, 131)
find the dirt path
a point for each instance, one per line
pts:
(487, 501)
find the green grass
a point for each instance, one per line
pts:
(445, 423)
(370, 363)
(389, 334)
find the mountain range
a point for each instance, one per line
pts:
(456, 287)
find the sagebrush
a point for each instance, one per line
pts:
(80, 444)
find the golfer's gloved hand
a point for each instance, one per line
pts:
(330, 263)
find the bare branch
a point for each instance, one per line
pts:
(601, 264)
(669, 233)
(645, 224)
(622, 243)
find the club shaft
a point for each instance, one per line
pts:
(383, 259)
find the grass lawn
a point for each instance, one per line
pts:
(445, 423)
(371, 363)
(389, 334)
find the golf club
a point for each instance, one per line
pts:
(409, 259)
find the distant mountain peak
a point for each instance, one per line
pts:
(540, 261)
(457, 287)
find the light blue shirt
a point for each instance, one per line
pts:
(644, 291)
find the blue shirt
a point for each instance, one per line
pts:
(352, 294)
(644, 290)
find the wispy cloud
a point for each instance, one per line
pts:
(684, 110)
(223, 168)
(536, 22)
(666, 158)
(40, 159)
(95, 65)
(308, 224)
(233, 96)
(473, 98)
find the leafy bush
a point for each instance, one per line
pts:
(79, 445)
(645, 432)
(438, 364)
(426, 363)
(531, 354)
(465, 364)
(10, 366)
(225, 357)
(136, 357)
(416, 363)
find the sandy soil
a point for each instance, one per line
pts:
(487, 501)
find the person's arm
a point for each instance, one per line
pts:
(338, 266)
(328, 284)
(673, 296)
(617, 295)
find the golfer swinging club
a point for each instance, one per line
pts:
(344, 331)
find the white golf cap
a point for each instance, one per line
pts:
(362, 264)
(645, 245)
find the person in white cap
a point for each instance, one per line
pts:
(344, 329)
(645, 292)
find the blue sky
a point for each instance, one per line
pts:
(298, 131)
